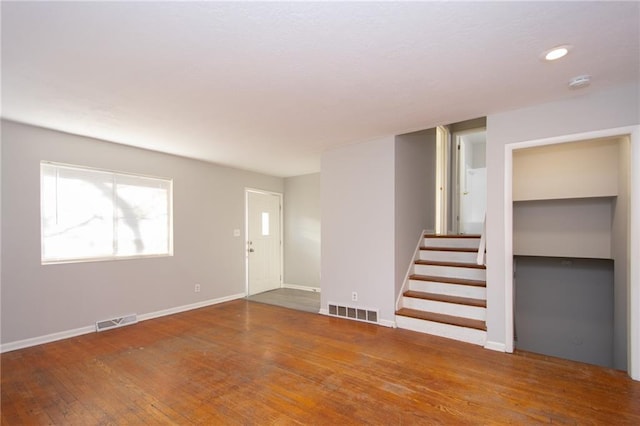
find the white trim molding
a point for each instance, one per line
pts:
(53, 337)
(634, 253)
(48, 338)
(495, 346)
(189, 307)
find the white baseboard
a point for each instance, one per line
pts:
(183, 308)
(387, 323)
(40, 340)
(301, 287)
(495, 346)
(48, 338)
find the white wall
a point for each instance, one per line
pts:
(585, 111)
(302, 230)
(415, 176)
(208, 200)
(358, 226)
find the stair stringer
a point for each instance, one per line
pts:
(405, 284)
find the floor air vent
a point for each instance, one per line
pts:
(116, 322)
(351, 312)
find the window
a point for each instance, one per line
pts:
(265, 224)
(90, 214)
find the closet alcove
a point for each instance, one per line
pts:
(571, 250)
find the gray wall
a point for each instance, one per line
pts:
(564, 308)
(574, 227)
(415, 187)
(584, 112)
(302, 230)
(208, 205)
(358, 226)
(377, 197)
(462, 126)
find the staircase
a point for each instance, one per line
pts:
(446, 293)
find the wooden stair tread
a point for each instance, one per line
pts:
(451, 264)
(444, 319)
(451, 236)
(446, 298)
(463, 249)
(448, 280)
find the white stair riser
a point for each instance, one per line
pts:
(451, 272)
(463, 311)
(452, 242)
(469, 335)
(449, 289)
(449, 256)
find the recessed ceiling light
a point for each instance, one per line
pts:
(555, 53)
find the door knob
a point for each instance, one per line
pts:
(251, 250)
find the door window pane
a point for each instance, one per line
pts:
(265, 224)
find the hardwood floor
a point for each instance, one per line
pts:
(250, 363)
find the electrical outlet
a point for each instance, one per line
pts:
(197, 288)
(354, 296)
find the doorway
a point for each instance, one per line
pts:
(461, 177)
(264, 240)
(470, 172)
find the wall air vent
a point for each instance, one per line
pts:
(353, 312)
(116, 322)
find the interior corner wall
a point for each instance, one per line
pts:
(589, 110)
(302, 230)
(415, 192)
(620, 253)
(357, 199)
(208, 204)
(0, 232)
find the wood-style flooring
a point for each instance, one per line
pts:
(301, 300)
(252, 364)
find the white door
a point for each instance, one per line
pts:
(264, 247)
(472, 181)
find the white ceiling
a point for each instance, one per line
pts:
(269, 86)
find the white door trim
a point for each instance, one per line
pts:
(634, 234)
(247, 190)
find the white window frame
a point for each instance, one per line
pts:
(114, 256)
